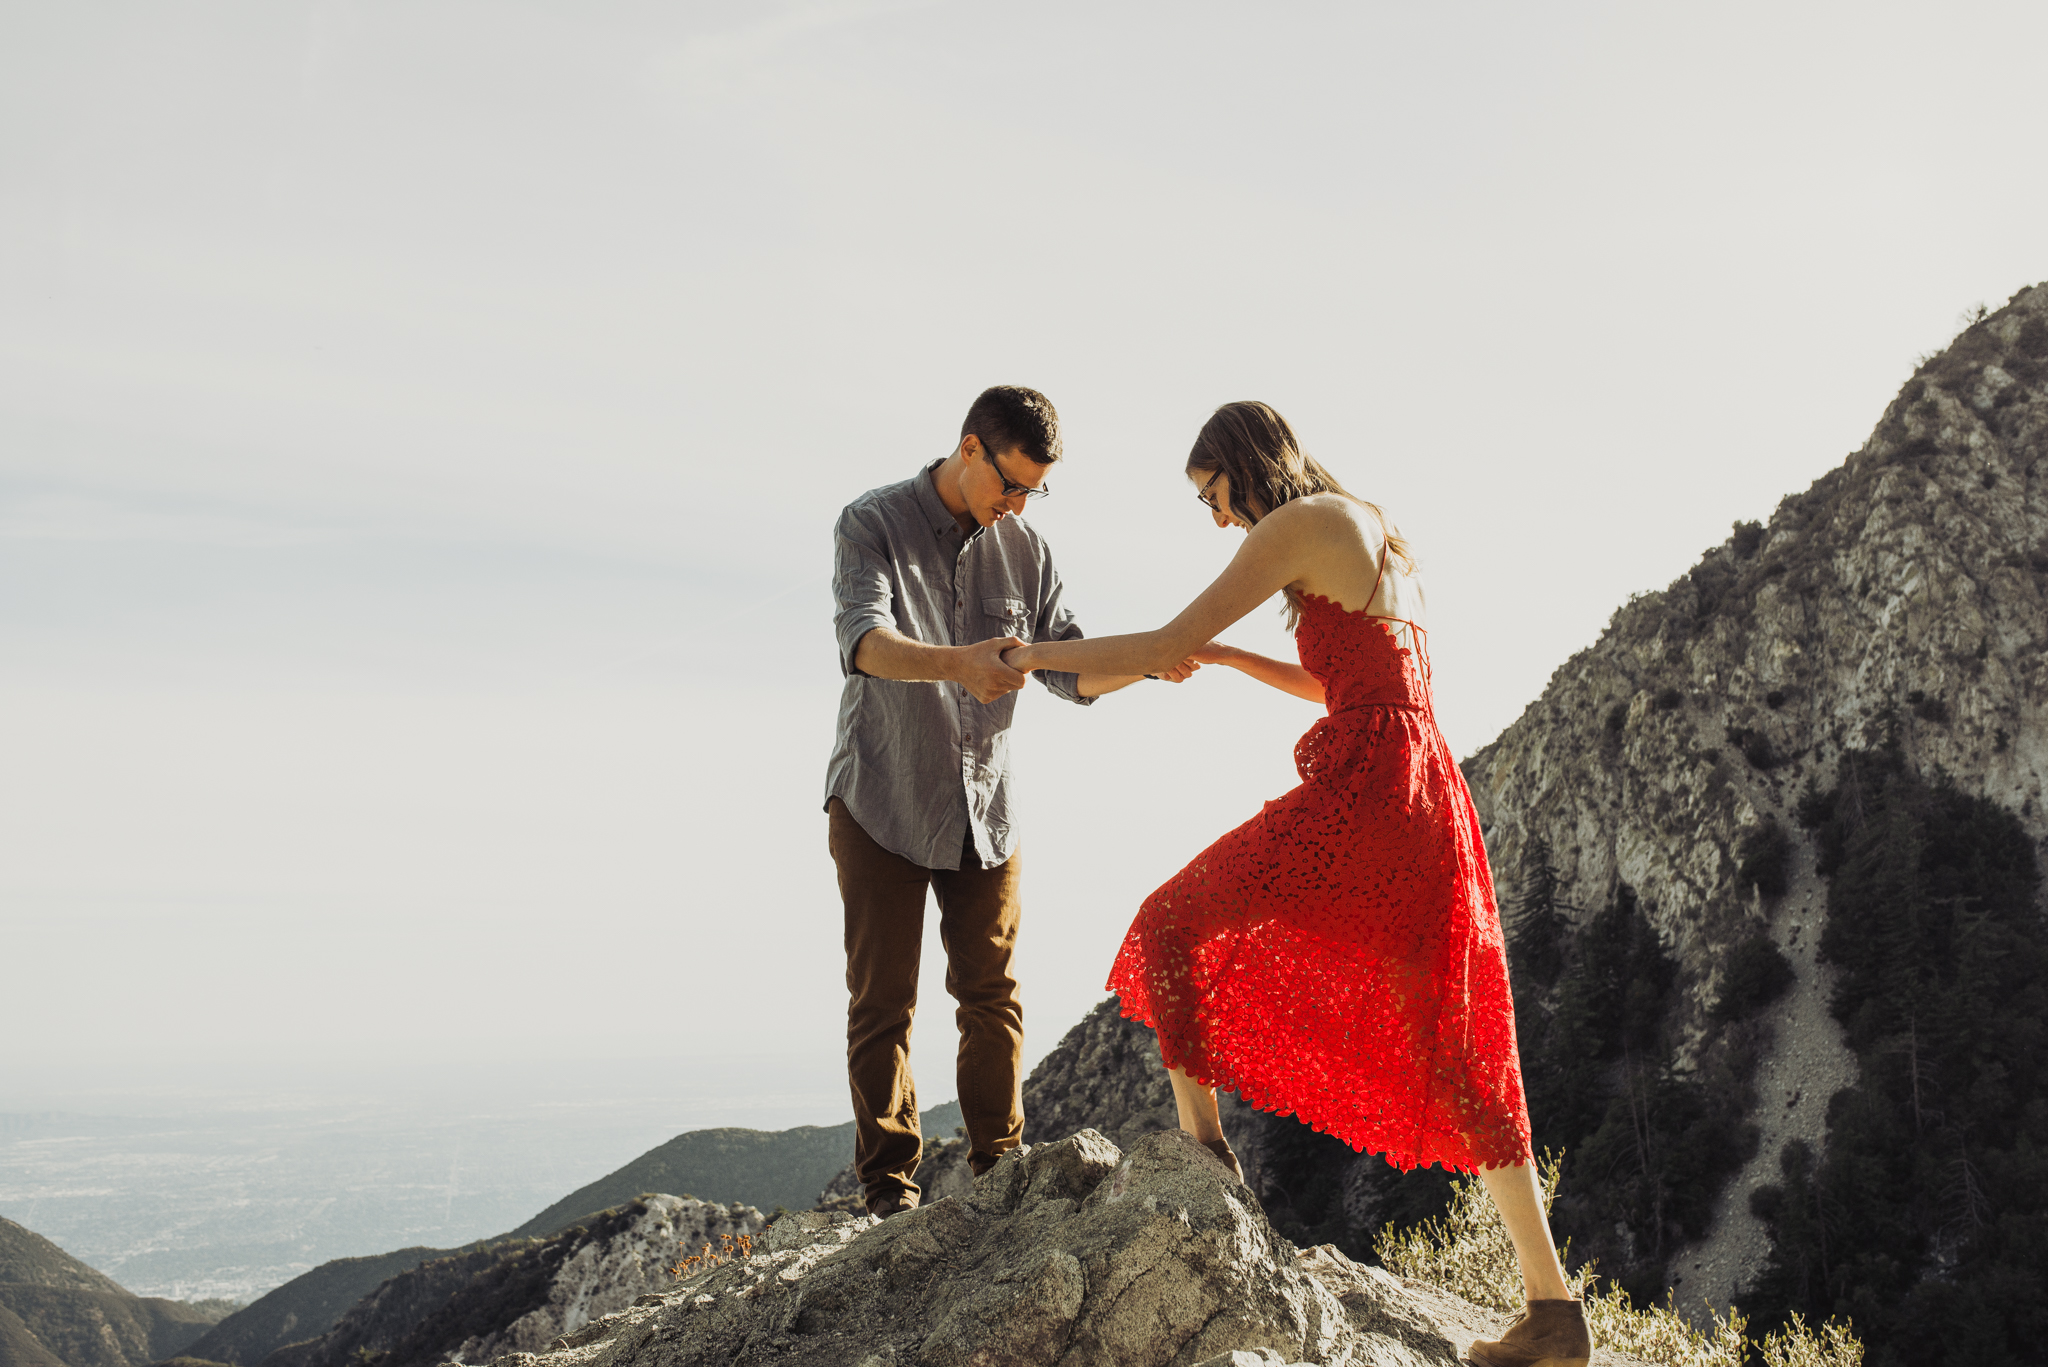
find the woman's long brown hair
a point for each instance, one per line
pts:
(1257, 452)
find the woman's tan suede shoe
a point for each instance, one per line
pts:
(1221, 1148)
(1549, 1334)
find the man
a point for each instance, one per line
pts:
(935, 577)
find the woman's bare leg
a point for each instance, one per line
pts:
(1197, 1106)
(1519, 1200)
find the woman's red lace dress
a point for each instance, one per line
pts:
(1339, 955)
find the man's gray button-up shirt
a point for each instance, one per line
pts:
(922, 766)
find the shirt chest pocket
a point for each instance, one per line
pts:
(1008, 617)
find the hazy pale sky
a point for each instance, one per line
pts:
(421, 426)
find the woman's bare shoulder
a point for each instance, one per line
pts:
(1331, 516)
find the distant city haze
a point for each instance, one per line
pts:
(421, 428)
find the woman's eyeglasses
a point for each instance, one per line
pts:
(1203, 493)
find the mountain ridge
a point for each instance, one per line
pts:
(28, 1259)
(1901, 601)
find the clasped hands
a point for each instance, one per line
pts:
(997, 666)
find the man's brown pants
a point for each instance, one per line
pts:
(884, 895)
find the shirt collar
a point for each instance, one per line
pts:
(928, 499)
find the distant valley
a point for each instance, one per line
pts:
(193, 1194)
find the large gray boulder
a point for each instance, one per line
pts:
(1072, 1252)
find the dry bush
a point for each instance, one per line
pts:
(1466, 1252)
(728, 1250)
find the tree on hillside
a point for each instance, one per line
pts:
(1926, 1219)
(1646, 1148)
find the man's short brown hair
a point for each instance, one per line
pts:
(1009, 417)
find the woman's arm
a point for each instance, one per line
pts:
(1288, 678)
(1274, 554)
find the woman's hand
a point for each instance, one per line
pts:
(1209, 653)
(1019, 659)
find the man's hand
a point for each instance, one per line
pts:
(981, 671)
(1209, 653)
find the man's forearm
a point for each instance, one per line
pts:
(1095, 685)
(885, 653)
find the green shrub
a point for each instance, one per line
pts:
(1764, 861)
(1814, 806)
(1928, 707)
(1756, 974)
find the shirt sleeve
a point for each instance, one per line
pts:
(861, 588)
(1055, 623)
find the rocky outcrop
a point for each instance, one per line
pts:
(601, 1276)
(1902, 599)
(502, 1298)
(1072, 1252)
(1106, 1074)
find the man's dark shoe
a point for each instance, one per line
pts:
(891, 1203)
(1549, 1334)
(979, 1162)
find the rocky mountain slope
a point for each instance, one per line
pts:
(19, 1347)
(56, 1310)
(754, 1167)
(1072, 1252)
(28, 1259)
(304, 1307)
(1901, 600)
(521, 1295)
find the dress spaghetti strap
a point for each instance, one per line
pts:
(1375, 591)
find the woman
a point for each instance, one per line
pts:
(1339, 955)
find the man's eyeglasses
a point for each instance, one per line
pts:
(1203, 492)
(1011, 488)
